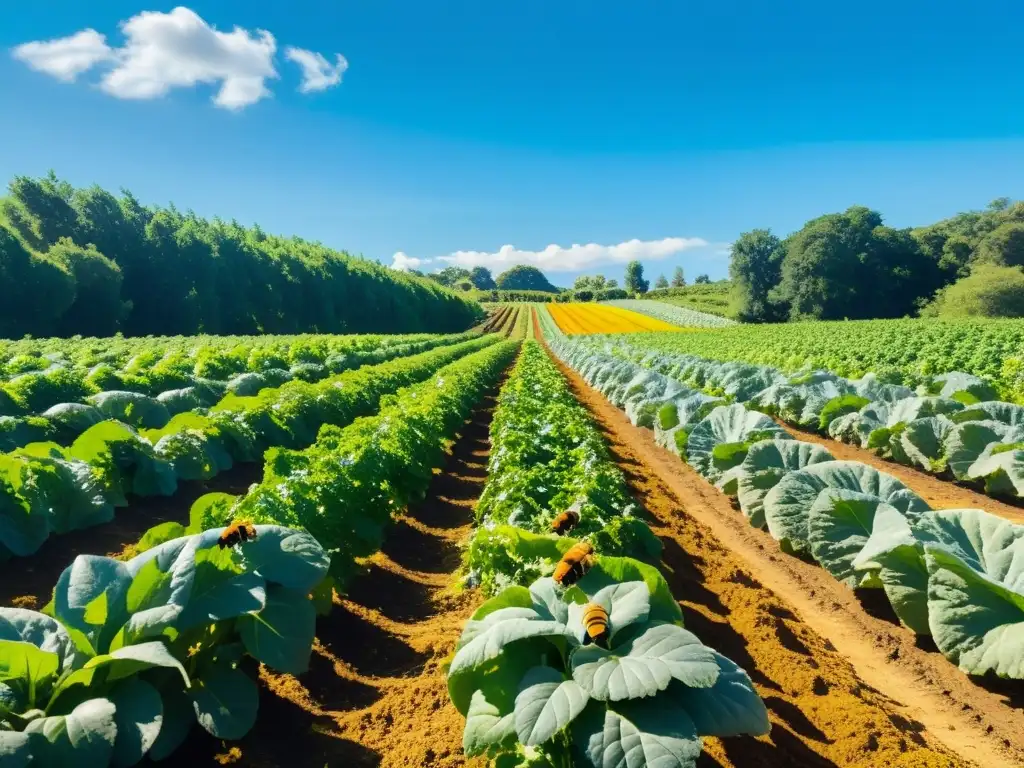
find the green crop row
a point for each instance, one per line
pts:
(48, 489)
(533, 690)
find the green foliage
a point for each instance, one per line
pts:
(524, 278)
(131, 655)
(755, 267)
(83, 261)
(678, 279)
(482, 279)
(710, 298)
(634, 280)
(988, 291)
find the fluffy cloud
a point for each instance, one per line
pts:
(163, 51)
(68, 57)
(404, 263)
(318, 74)
(556, 258)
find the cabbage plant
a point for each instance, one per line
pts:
(532, 690)
(129, 656)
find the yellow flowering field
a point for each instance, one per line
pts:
(600, 318)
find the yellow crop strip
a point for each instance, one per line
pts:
(598, 318)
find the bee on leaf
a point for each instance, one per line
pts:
(595, 621)
(238, 531)
(574, 564)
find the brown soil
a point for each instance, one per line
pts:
(939, 493)
(375, 694)
(28, 582)
(844, 687)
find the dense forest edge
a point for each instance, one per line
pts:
(85, 262)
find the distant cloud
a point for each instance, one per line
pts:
(404, 263)
(556, 258)
(318, 74)
(163, 51)
(68, 57)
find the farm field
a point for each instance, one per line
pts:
(523, 545)
(602, 318)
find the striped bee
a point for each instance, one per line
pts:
(565, 522)
(240, 530)
(574, 564)
(595, 620)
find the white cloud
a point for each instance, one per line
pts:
(318, 74)
(178, 50)
(574, 258)
(67, 57)
(404, 263)
(163, 51)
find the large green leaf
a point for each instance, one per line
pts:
(976, 591)
(766, 463)
(626, 603)
(226, 701)
(178, 719)
(923, 442)
(86, 736)
(895, 554)
(489, 725)
(291, 558)
(966, 442)
(644, 665)
(731, 707)
(637, 734)
(731, 425)
(546, 704)
(1002, 472)
(28, 672)
(281, 635)
(500, 629)
(91, 597)
(787, 506)
(616, 570)
(840, 523)
(139, 717)
(23, 625)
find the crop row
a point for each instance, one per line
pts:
(566, 672)
(185, 373)
(46, 489)
(950, 426)
(129, 656)
(683, 317)
(957, 575)
(898, 351)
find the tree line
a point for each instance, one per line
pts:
(83, 261)
(850, 265)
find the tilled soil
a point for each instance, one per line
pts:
(844, 683)
(376, 692)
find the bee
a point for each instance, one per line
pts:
(595, 620)
(565, 522)
(240, 530)
(574, 564)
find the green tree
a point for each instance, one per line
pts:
(678, 279)
(524, 278)
(34, 291)
(97, 309)
(702, 280)
(634, 280)
(482, 279)
(755, 268)
(1003, 246)
(661, 282)
(449, 276)
(989, 291)
(611, 284)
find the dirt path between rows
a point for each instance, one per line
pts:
(844, 687)
(28, 582)
(939, 493)
(376, 692)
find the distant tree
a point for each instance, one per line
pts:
(482, 279)
(989, 291)
(701, 280)
(634, 281)
(464, 285)
(678, 280)
(581, 283)
(847, 265)
(449, 276)
(1000, 204)
(661, 282)
(611, 284)
(1003, 246)
(524, 278)
(97, 308)
(755, 268)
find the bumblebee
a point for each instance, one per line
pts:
(595, 620)
(565, 522)
(574, 564)
(240, 530)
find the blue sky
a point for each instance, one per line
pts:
(642, 128)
